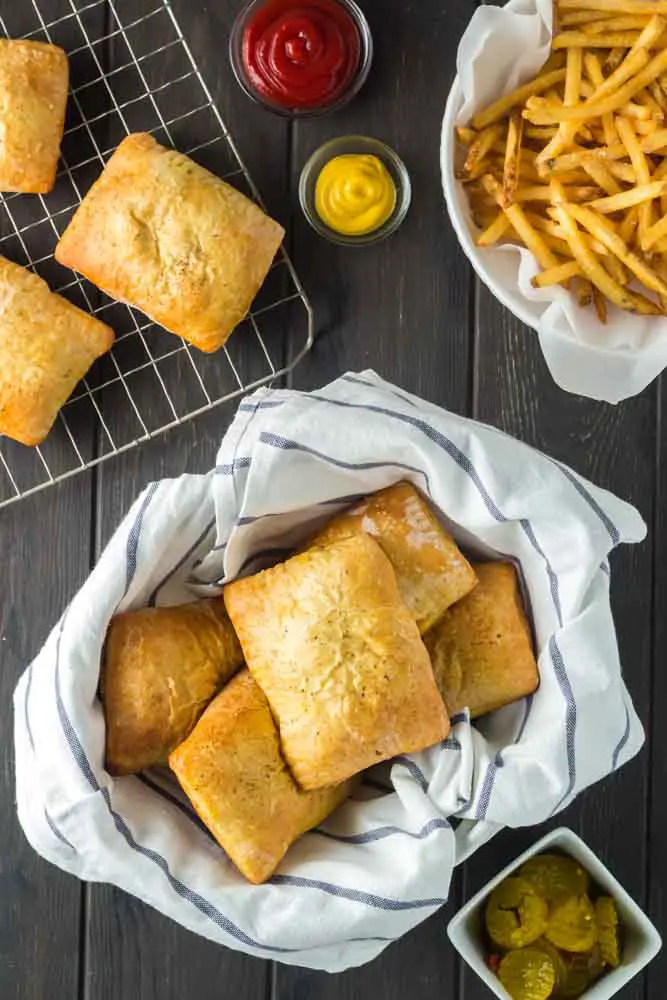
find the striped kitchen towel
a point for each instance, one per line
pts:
(384, 861)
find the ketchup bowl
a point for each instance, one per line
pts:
(301, 58)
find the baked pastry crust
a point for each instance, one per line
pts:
(46, 346)
(164, 234)
(481, 650)
(431, 572)
(337, 653)
(34, 78)
(232, 770)
(161, 667)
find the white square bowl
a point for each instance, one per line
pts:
(641, 941)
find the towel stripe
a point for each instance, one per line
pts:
(285, 444)
(357, 895)
(382, 832)
(415, 771)
(570, 717)
(56, 832)
(243, 462)
(370, 385)
(135, 535)
(623, 740)
(193, 548)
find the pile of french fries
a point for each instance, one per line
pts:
(573, 164)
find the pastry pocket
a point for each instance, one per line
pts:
(431, 572)
(481, 649)
(160, 232)
(33, 98)
(46, 346)
(161, 667)
(232, 770)
(339, 657)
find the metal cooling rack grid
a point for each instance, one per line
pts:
(151, 380)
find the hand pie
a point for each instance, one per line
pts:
(338, 655)
(161, 668)
(481, 650)
(33, 97)
(46, 346)
(430, 570)
(232, 770)
(162, 233)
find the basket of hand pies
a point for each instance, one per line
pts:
(296, 691)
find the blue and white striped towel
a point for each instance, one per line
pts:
(384, 861)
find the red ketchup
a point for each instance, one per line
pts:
(301, 54)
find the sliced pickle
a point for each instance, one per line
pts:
(515, 914)
(558, 960)
(608, 931)
(572, 925)
(581, 971)
(527, 974)
(555, 877)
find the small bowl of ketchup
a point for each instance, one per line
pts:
(301, 58)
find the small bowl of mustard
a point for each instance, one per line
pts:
(355, 190)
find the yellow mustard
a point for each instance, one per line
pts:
(354, 194)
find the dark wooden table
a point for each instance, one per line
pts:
(411, 309)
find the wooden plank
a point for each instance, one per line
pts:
(130, 949)
(402, 308)
(615, 448)
(656, 876)
(46, 557)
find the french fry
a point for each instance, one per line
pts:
(649, 7)
(556, 275)
(657, 140)
(495, 231)
(465, 135)
(566, 132)
(580, 40)
(600, 304)
(602, 176)
(622, 22)
(479, 148)
(654, 233)
(614, 59)
(600, 228)
(627, 228)
(595, 272)
(538, 111)
(629, 139)
(530, 237)
(576, 192)
(635, 196)
(512, 164)
(596, 76)
(636, 59)
(504, 105)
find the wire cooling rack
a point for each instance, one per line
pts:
(134, 73)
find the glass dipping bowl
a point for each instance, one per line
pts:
(248, 12)
(356, 144)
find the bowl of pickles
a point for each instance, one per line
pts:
(554, 924)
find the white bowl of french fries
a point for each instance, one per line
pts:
(557, 188)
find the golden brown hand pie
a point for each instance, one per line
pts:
(337, 653)
(161, 668)
(46, 346)
(162, 233)
(33, 97)
(232, 770)
(481, 649)
(430, 570)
